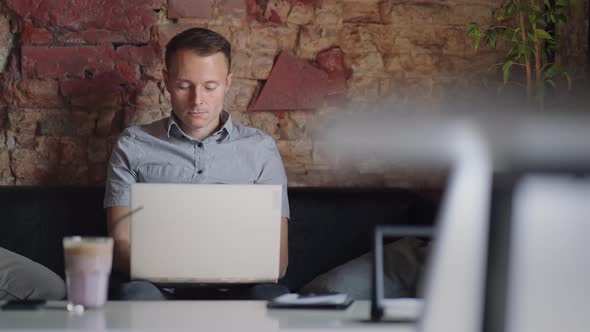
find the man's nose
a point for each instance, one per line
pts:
(197, 96)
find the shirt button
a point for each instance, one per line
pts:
(200, 145)
(200, 171)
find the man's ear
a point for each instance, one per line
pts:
(228, 81)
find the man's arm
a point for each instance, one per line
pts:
(120, 176)
(273, 172)
(284, 256)
(119, 228)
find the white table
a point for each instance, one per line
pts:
(196, 316)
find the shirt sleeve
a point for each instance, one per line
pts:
(120, 174)
(273, 171)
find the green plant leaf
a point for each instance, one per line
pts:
(509, 10)
(552, 71)
(515, 35)
(532, 17)
(569, 80)
(476, 33)
(513, 50)
(550, 82)
(543, 34)
(547, 3)
(491, 37)
(506, 70)
(541, 23)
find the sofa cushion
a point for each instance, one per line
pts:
(403, 262)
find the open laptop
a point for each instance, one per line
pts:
(194, 234)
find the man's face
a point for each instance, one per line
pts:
(197, 86)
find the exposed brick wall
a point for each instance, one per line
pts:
(75, 73)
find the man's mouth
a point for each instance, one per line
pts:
(197, 112)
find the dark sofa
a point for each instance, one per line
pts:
(328, 226)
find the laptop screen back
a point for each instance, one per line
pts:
(187, 233)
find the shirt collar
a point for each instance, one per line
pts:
(224, 132)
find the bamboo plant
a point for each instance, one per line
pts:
(530, 29)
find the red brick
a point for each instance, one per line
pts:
(152, 72)
(97, 149)
(96, 102)
(57, 124)
(254, 11)
(31, 169)
(101, 36)
(128, 72)
(190, 8)
(144, 55)
(97, 174)
(32, 35)
(3, 119)
(83, 123)
(72, 150)
(332, 61)
(6, 39)
(72, 175)
(167, 31)
(40, 93)
(232, 7)
(130, 19)
(47, 148)
(68, 61)
(104, 84)
(293, 84)
(25, 120)
(104, 124)
(24, 140)
(148, 96)
(277, 11)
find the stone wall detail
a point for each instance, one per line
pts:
(75, 73)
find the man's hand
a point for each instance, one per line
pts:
(119, 227)
(284, 255)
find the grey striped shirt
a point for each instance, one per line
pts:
(161, 153)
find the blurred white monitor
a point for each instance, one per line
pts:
(549, 269)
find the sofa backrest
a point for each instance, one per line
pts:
(328, 226)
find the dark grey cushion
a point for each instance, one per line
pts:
(403, 262)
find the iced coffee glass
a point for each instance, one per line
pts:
(88, 262)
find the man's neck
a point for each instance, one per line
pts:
(201, 134)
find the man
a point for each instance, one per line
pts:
(198, 143)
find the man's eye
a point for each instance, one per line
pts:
(183, 86)
(210, 87)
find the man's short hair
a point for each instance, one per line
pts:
(202, 41)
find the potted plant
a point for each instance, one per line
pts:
(530, 28)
